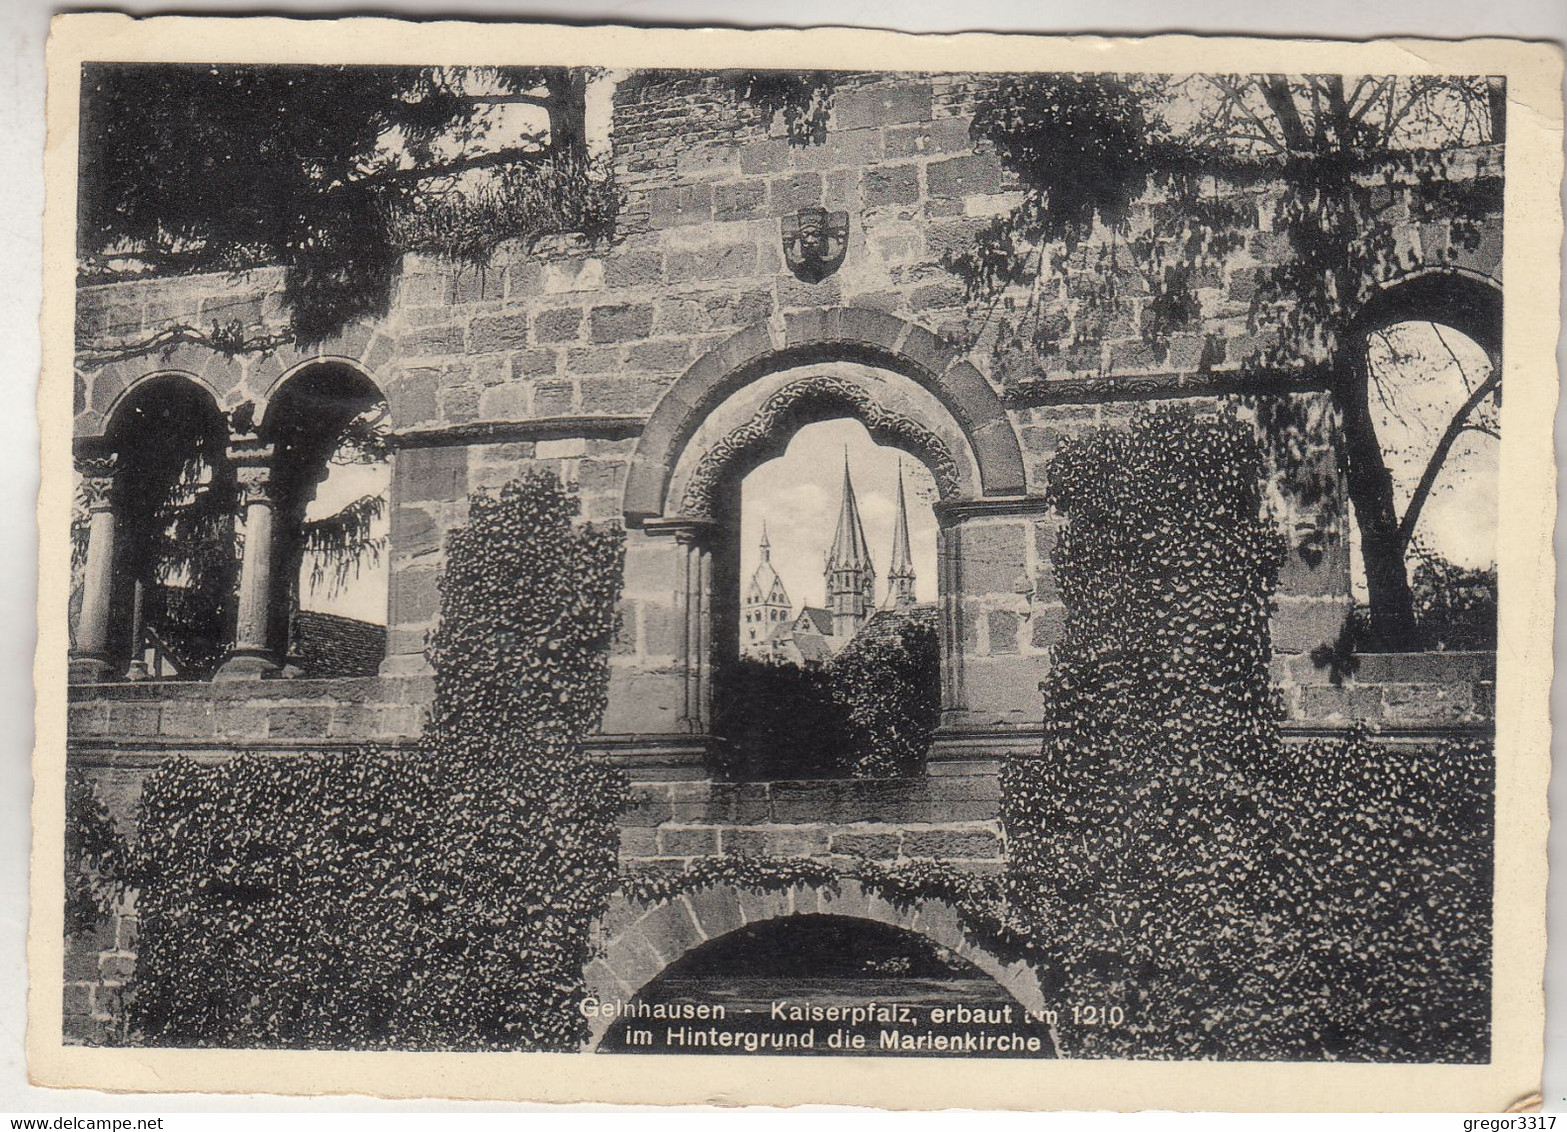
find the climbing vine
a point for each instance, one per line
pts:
(1137, 191)
(440, 898)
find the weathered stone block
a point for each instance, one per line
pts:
(639, 841)
(621, 322)
(716, 911)
(769, 156)
(688, 841)
(1002, 625)
(553, 398)
(682, 204)
(976, 174)
(876, 846)
(433, 341)
(1300, 625)
(437, 474)
(634, 267)
(994, 556)
(947, 844)
(414, 595)
(889, 185)
(945, 135)
(881, 105)
(498, 333)
(558, 325)
(623, 395)
(1343, 702)
(646, 807)
(794, 192)
(724, 262)
(592, 359)
(1047, 622)
(413, 396)
(743, 200)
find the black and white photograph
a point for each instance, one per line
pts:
(963, 563)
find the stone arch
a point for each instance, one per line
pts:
(1468, 301)
(801, 402)
(277, 390)
(640, 943)
(139, 386)
(836, 334)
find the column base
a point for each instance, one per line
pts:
(246, 666)
(89, 670)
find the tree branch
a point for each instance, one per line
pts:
(1276, 89)
(512, 155)
(1455, 427)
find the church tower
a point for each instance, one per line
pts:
(765, 608)
(900, 577)
(851, 579)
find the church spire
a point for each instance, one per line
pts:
(851, 579)
(900, 576)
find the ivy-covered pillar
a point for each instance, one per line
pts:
(252, 654)
(90, 655)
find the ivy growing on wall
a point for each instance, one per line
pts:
(1168, 854)
(1133, 835)
(439, 898)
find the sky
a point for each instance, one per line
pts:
(1425, 374)
(798, 496)
(364, 597)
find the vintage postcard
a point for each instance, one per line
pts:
(626, 565)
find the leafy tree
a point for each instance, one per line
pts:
(889, 688)
(330, 171)
(1085, 149)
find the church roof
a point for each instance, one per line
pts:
(820, 619)
(887, 623)
(850, 548)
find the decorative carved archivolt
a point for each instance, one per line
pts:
(773, 422)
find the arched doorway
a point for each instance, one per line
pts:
(331, 475)
(825, 985)
(834, 670)
(156, 559)
(1422, 442)
(737, 407)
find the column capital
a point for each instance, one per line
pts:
(98, 476)
(254, 482)
(952, 511)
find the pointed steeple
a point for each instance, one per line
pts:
(900, 577)
(851, 579)
(767, 547)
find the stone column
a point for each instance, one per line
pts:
(252, 655)
(90, 660)
(697, 640)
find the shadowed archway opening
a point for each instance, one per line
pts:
(823, 984)
(175, 562)
(332, 475)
